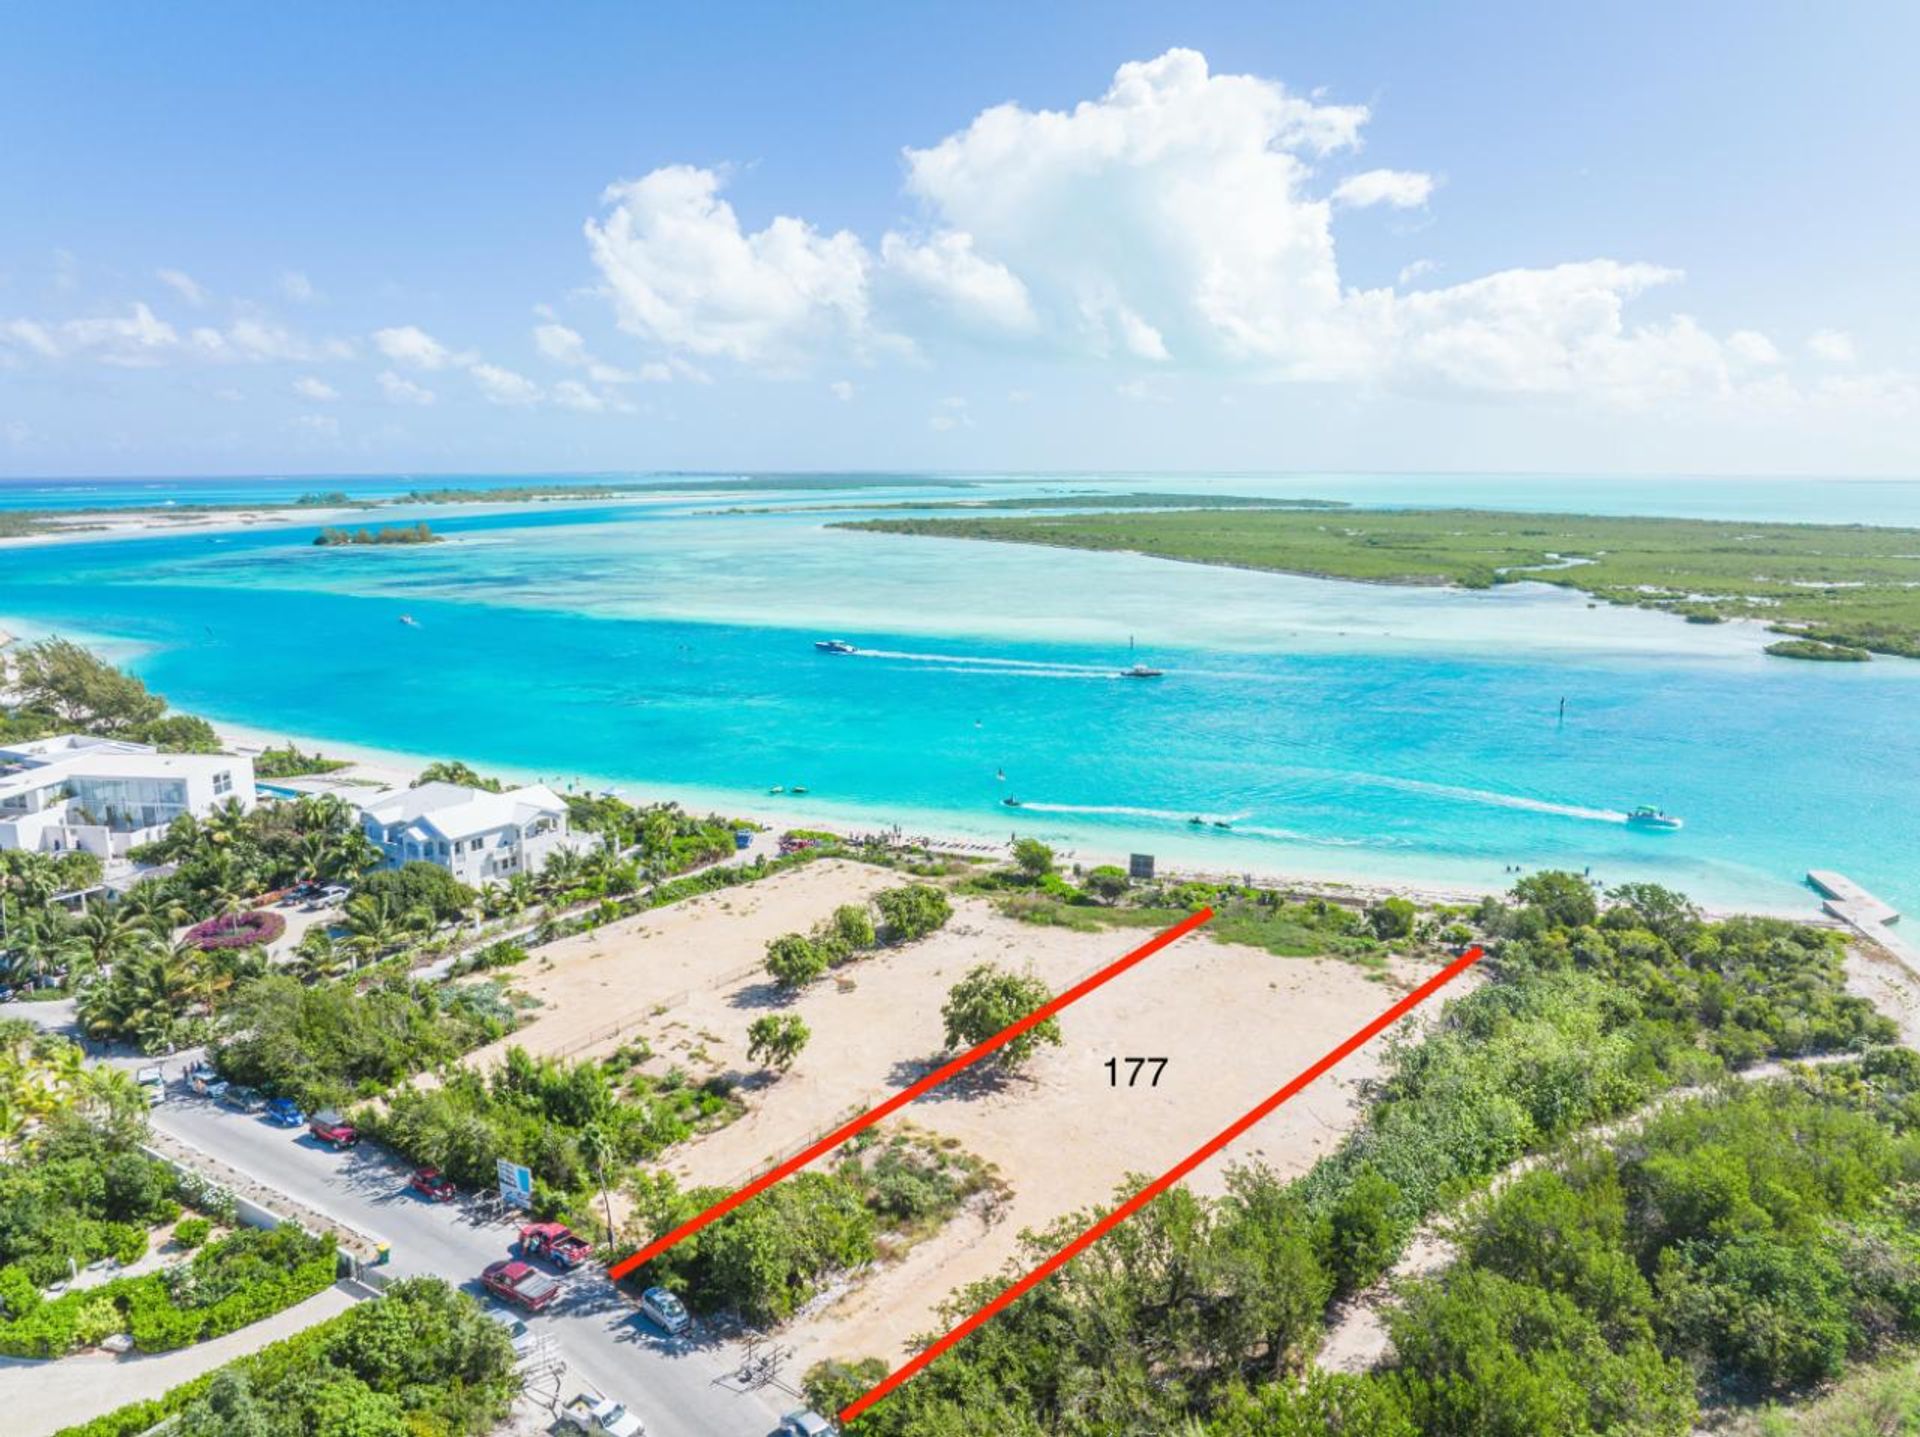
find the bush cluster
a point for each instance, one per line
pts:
(85, 1195)
(238, 1280)
(548, 1114)
(251, 928)
(424, 1359)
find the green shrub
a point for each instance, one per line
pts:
(912, 911)
(795, 960)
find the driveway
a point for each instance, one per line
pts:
(681, 1388)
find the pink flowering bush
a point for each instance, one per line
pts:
(237, 930)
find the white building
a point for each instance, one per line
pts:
(479, 837)
(107, 795)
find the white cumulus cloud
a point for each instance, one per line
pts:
(182, 284)
(412, 345)
(1831, 346)
(503, 386)
(1400, 189)
(401, 390)
(1180, 220)
(681, 271)
(309, 387)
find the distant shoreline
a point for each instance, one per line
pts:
(394, 769)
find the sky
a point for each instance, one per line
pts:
(1636, 238)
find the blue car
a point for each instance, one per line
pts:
(284, 1112)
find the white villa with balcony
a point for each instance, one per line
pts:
(107, 795)
(479, 837)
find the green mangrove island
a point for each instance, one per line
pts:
(385, 534)
(1836, 591)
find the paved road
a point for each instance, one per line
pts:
(682, 1388)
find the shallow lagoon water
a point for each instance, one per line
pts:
(1345, 730)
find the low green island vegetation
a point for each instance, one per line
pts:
(1685, 1240)
(1851, 586)
(1818, 651)
(386, 534)
(1140, 499)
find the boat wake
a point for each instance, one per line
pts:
(1294, 836)
(989, 662)
(1492, 799)
(1121, 810)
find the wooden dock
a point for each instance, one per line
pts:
(1872, 918)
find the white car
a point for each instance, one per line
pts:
(603, 1417)
(154, 1083)
(805, 1424)
(666, 1311)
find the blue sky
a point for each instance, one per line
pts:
(1210, 236)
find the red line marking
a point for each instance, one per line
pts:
(1021, 1286)
(907, 1095)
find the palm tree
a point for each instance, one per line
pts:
(321, 814)
(108, 934)
(111, 1097)
(596, 1146)
(153, 903)
(223, 968)
(144, 998)
(225, 824)
(563, 871)
(374, 925)
(351, 855)
(523, 891)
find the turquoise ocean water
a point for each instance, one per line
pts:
(665, 645)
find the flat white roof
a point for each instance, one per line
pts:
(38, 765)
(69, 745)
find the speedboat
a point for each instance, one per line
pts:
(1012, 803)
(834, 646)
(778, 788)
(797, 788)
(1647, 816)
(1138, 670)
(410, 621)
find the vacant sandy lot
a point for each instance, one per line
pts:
(599, 988)
(1234, 1023)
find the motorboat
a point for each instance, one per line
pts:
(1647, 816)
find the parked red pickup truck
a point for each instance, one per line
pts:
(521, 1284)
(556, 1242)
(328, 1126)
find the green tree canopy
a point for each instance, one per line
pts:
(990, 999)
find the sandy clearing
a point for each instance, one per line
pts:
(1234, 1022)
(598, 988)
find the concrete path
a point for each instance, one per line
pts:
(42, 1397)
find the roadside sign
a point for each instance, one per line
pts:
(516, 1183)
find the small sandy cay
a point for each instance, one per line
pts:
(1233, 1022)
